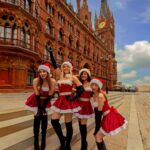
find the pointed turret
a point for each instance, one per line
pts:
(78, 6)
(104, 11)
(84, 2)
(96, 21)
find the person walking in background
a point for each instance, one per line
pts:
(86, 111)
(107, 119)
(39, 102)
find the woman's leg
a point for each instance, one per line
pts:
(36, 127)
(99, 141)
(83, 132)
(69, 129)
(44, 130)
(57, 127)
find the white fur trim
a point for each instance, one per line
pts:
(116, 131)
(67, 63)
(43, 67)
(85, 70)
(84, 116)
(64, 82)
(34, 109)
(88, 89)
(98, 82)
(56, 109)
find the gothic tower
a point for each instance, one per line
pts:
(104, 26)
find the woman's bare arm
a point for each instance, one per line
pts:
(53, 83)
(76, 81)
(101, 100)
(35, 86)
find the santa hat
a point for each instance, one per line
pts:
(85, 70)
(67, 63)
(98, 82)
(45, 67)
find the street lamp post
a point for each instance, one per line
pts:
(106, 60)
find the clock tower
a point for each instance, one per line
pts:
(104, 30)
(104, 26)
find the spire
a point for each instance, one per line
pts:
(85, 2)
(104, 11)
(96, 21)
(78, 5)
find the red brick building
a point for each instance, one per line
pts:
(28, 26)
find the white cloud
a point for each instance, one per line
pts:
(144, 81)
(133, 58)
(129, 75)
(145, 16)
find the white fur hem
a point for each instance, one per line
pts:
(116, 131)
(34, 109)
(56, 109)
(84, 116)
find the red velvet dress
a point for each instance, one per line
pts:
(85, 104)
(31, 103)
(112, 121)
(61, 105)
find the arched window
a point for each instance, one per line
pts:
(60, 56)
(70, 57)
(14, 34)
(25, 38)
(88, 51)
(7, 32)
(70, 41)
(26, 4)
(49, 28)
(46, 54)
(77, 45)
(60, 36)
(2, 31)
(77, 63)
(50, 8)
(10, 1)
(30, 76)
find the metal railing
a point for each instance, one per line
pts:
(18, 43)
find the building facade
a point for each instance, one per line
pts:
(27, 27)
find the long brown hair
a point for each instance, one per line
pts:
(47, 79)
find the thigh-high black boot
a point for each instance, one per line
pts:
(57, 127)
(44, 130)
(36, 127)
(101, 145)
(69, 134)
(83, 132)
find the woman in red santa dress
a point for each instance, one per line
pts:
(66, 103)
(107, 119)
(39, 103)
(86, 111)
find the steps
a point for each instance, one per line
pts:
(16, 129)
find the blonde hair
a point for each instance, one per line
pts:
(62, 74)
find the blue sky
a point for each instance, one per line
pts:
(132, 29)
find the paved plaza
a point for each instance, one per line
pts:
(134, 106)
